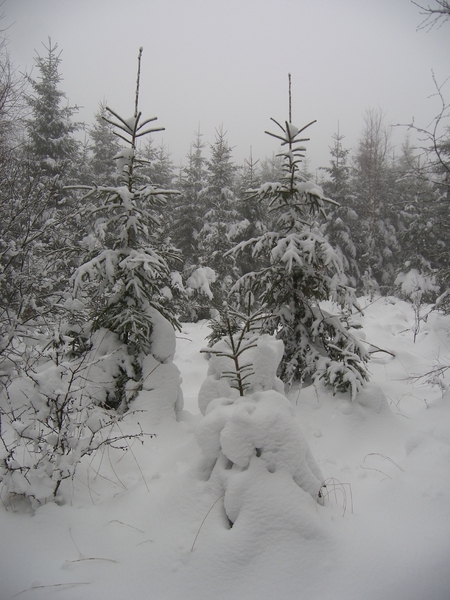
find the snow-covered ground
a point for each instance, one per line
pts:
(146, 524)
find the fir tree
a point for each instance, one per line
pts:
(341, 221)
(126, 264)
(51, 146)
(219, 202)
(304, 270)
(374, 202)
(104, 147)
(188, 211)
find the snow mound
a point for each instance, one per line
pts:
(243, 438)
(201, 279)
(163, 337)
(161, 396)
(373, 397)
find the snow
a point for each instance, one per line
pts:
(125, 155)
(414, 283)
(151, 522)
(201, 279)
(249, 440)
(292, 130)
(163, 337)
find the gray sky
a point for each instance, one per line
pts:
(214, 62)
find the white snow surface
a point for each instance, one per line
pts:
(201, 279)
(152, 523)
(414, 283)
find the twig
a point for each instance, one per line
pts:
(135, 459)
(384, 457)
(74, 543)
(378, 349)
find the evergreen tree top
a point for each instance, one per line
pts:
(221, 168)
(50, 141)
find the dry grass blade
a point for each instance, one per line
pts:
(384, 457)
(337, 490)
(92, 558)
(206, 516)
(126, 525)
(52, 585)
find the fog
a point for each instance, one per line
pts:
(211, 63)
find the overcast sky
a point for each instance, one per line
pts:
(226, 62)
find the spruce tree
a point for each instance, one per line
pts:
(157, 164)
(125, 273)
(432, 216)
(303, 271)
(29, 279)
(341, 223)
(104, 147)
(252, 214)
(271, 169)
(220, 214)
(375, 203)
(11, 103)
(188, 211)
(442, 219)
(51, 146)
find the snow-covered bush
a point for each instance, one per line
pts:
(250, 438)
(201, 279)
(301, 271)
(50, 419)
(418, 287)
(198, 296)
(249, 433)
